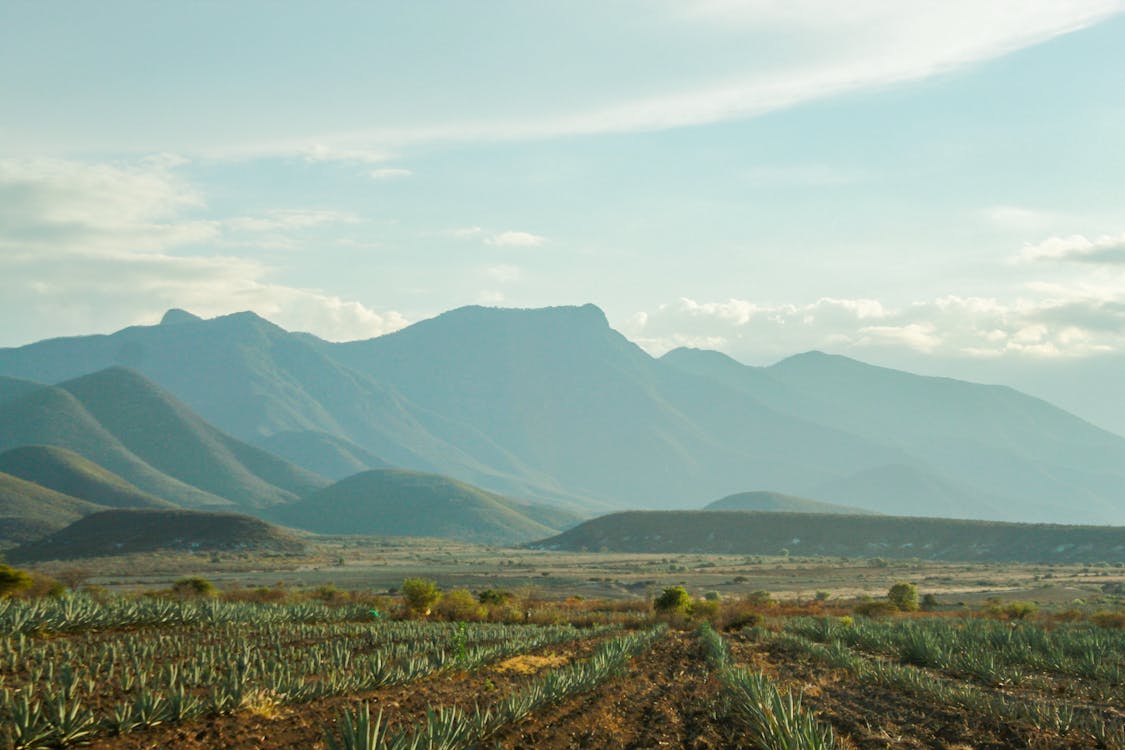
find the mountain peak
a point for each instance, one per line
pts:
(176, 316)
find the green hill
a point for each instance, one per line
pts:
(167, 435)
(67, 472)
(778, 502)
(53, 416)
(392, 502)
(118, 532)
(321, 453)
(769, 533)
(12, 388)
(29, 511)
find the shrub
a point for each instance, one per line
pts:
(929, 602)
(673, 600)
(494, 596)
(904, 596)
(13, 581)
(1114, 620)
(460, 605)
(822, 596)
(759, 598)
(705, 609)
(420, 595)
(1019, 610)
(875, 608)
(713, 596)
(193, 588)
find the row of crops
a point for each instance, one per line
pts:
(214, 659)
(1066, 682)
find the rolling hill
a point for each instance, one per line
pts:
(771, 533)
(29, 511)
(321, 453)
(393, 502)
(776, 501)
(119, 532)
(67, 472)
(128, 426)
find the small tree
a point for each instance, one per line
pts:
(194, 588)
(420, 595)
(673, 600)
(903, 596)
(13, 581)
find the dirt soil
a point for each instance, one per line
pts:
(666, 699)
(871, 717)
(304, 725)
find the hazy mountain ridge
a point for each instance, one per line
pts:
(393, 502)
(781, 503)
(553, 404)
(807, 534)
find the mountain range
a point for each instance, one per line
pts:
(551, 406)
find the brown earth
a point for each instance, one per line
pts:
(304, 725)
(870, 716)
(666, 699)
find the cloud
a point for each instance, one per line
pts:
(515, 239)
(1061, 321)
(389, 173)
(1106, 249)
(1019, 218)
(103, 245)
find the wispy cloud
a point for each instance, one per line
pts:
(110, 242)
(1106, 249)
(389, 173)
(515, 239)
(1048, 322)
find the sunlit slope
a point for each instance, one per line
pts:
(67, 472)
(391, 502)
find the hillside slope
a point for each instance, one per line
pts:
(29, 511)
(779, 502)
(393, 502)
(119, 532)
(327, 455)
(67, 472)
(767, 533)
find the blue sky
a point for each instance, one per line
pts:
(927, 185)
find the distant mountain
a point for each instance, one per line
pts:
(566, 395)
(253, 379)
(392, 502)
(67, 472)
(805, 534)
(992, 450)
(172, 438)
(53, 416)
(29, 511)
(902, 490)
(778, 502)
(118, 532)
(554, 405)
(128, 426)
(321, 453)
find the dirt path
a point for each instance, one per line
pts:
(303, 725)
(666, 699)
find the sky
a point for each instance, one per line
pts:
(935, 186)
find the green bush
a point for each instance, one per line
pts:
(673, 600)
(904, 596)
(13, 581)
(420, 595)
(460, 605)
(193, 588)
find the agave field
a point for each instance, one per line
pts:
(153, 673)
